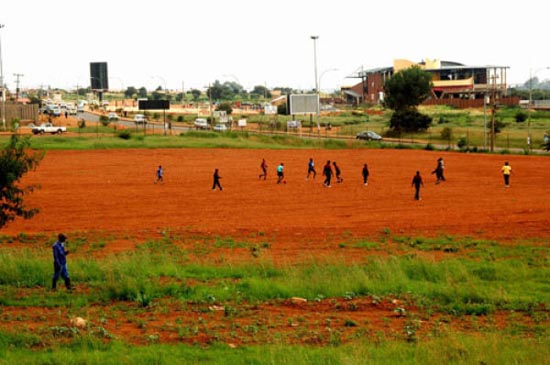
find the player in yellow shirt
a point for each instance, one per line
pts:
(506, 172)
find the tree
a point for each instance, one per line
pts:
(196, 94)
(130, 92)
(261, 91)
(142, 92)
(225, 107)
(403, 93)
(16, 161)
(407, 89)
(409, 120)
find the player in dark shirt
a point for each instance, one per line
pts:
(327, 173)
(417, 183)
(217, 178)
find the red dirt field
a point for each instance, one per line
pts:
(114, 191)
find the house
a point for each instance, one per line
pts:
(452, 82)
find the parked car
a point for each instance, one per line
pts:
(112, 116)
(55, 111)
(48, 128)
(293, 124)
(220, 128)
(201, 123)
(369, 136)
(140, 119)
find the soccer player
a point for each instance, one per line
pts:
(338, 173)
(311, 169)
(160, 173)
(217, 178)
(506, 172)
(365, 174)
(417, 183)
(327, 173)
(280, 173)
(263, 166)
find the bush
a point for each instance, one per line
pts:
(180, 118)
(447, 133)
(521, 117)
(410, 120)
(124, 135)
(81, 123)
(462, 142)
(104, 120)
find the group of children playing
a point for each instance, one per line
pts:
(328, 173)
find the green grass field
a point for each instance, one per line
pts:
(476, 282)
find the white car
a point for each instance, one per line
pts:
(201, 123)
(140, 119)
(112, 116)
(220, 128)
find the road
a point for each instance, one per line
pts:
(128, 123)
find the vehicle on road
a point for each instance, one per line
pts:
(112, 116)
(48, 128)
(80, 108)
(368, 136)
(201, 123)
(220, 128)
(140, 119)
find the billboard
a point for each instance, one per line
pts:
(99, 77)
(303, 104)
(153, 104)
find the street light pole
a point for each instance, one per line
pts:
(315, 37)
(166, 96)
(2, 84)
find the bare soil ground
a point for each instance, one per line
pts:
(112, 192)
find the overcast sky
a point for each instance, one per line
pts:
(188, 44)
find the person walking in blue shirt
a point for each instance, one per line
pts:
(60, 262)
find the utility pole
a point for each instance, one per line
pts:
(2, 84)
(493, 110)
(314, 38)
(17, 82)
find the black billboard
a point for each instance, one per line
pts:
(153, 104)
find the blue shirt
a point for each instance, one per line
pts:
(59, 255)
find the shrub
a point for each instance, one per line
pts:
(180, 118)
(124, 135)
(462, 142)
(410, 120)
(81, 123)
(447, 133)
(521, 117)
(104, 120)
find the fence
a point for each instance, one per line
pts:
(23, 112)
(471, 103)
